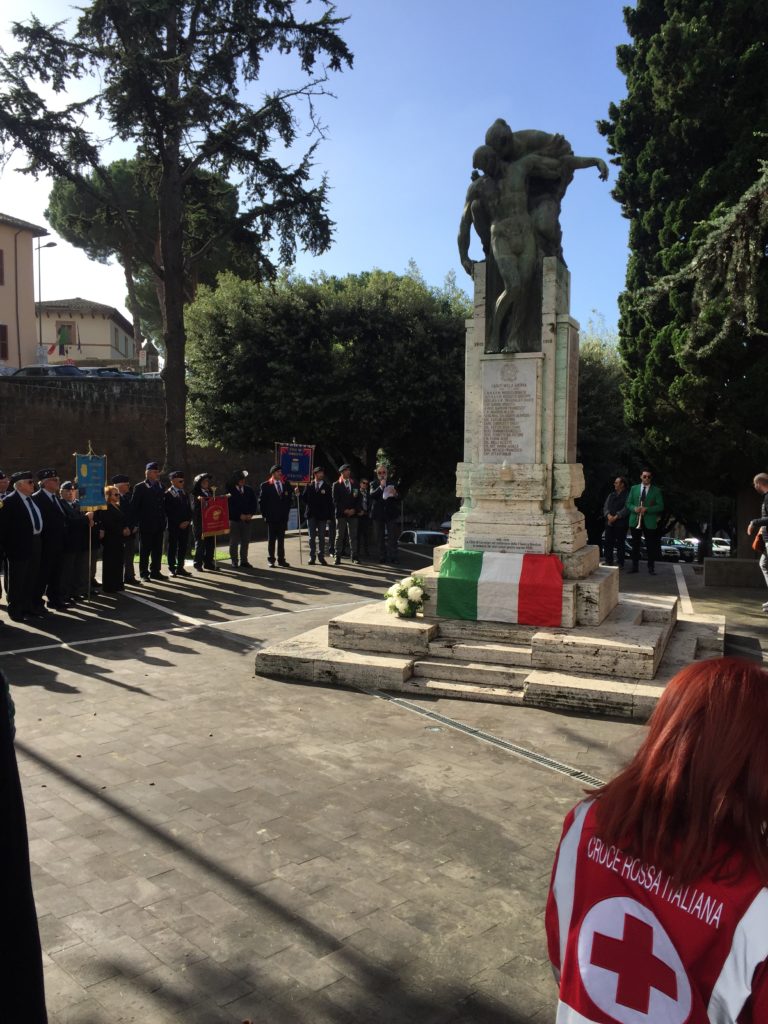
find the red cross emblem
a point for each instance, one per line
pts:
(632, 959)
(629, 966)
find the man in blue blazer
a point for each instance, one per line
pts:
(275, 501)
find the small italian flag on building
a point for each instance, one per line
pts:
(477, 585)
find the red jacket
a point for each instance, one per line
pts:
(631, 947)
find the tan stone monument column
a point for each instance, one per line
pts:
(519, 477)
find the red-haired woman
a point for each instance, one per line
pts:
(658, 908)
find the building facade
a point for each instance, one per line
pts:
(85, 332)
(18, 323)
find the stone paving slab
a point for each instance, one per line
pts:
(209, 846)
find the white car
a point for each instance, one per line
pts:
(426, 538)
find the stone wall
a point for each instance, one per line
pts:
(42, 423)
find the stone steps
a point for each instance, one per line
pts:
(475, 673)
(619, 668)
(495, 654)
(463, 691)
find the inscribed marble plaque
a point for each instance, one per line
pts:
(509, 410)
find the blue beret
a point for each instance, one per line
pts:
(121, 478)
(46, 474)
(151, 465)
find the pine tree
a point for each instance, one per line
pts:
(690, 140)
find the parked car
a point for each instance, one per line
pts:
(50, 370)
(685, 550)
(426, 538)
(101, 371)
(446, 527)
(155, 375)
(721, 548)
(669, 552)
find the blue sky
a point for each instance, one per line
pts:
(429, 77)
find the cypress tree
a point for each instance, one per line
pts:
(690, 139)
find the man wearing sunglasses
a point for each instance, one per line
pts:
(645, 505)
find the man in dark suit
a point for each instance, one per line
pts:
(46, 497)
(243, 506)
(346, 503)
(178, 512)
(385, 512)
(318, 508)
(21, 537)
(275, 500)
(147, 511)
(123, 485)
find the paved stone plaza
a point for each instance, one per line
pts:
(209, 847)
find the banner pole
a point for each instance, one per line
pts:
(90, 574)
(298, 523)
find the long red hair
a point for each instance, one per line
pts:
(696, 792)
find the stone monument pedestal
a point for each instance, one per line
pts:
(519, 478)
(518, 483)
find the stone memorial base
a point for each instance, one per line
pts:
(619, 667)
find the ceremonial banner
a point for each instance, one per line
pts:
(91, 476)
(215, 516)
(485, 585)
(295, 460)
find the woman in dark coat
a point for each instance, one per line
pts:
(112, 531)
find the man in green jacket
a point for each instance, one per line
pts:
(645, 505)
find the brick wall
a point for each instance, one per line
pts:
(43, 422)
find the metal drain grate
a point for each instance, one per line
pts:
(529, 755)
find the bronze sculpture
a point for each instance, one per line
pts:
(514, 205)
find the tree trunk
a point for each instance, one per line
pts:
(171, 250)
(133, 301)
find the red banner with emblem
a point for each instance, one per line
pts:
(215, 516)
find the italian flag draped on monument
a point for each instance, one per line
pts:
(478, 585)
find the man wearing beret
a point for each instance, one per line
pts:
(318, 508)
(347, 504)
(123, 485)
(21, 529)
(46, 497)
(275, 500)
(178, 511)
(147, 512)
(243, 506)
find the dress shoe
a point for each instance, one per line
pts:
(246, 565)
(58, 607)
(198, 567)
(158, 576)
(130, 579)
(15, 617)
(311, 561)
(145, 577)
(284, 565)
(183, 572)
(173, 572)
(651, 571)
(337, 561)
(39, 611)
(322, 561)
(355, 561)
(211, 567)
(235, 565)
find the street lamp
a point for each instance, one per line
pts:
(48, 245)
